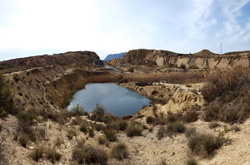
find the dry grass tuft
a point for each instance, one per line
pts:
(120, 151)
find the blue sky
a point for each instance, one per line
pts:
(36, 27)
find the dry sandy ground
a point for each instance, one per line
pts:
(145, 149)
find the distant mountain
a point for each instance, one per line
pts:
(114, 56)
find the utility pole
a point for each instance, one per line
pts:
(221, 48)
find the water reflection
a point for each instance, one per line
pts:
(117, 100)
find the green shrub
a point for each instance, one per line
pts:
(53, 155)
(134, 129)
(84, 128)
(37, 153)
(149, 119)
(78, 110)
(100, 110)
(1, 127)
(110, 135)
(89, 155)
(120, 151)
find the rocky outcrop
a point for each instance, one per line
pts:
(83, 58)
(201, 60)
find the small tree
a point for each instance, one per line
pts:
(100, 110)
(78, 110)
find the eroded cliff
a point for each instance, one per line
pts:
(167, 59)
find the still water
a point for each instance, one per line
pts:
(117, 100)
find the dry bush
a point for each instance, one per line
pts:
(226, 83)
(204, 144)
(104, 78)
(58, 141)
(6, 101)
(134, 129)
(122, 125)
(89, 155)
(127, 117)
(91, 132)
(37, 153)
(213, 125)
(102, 140)
(191, 161)
(191, 114)
(83, 128)
(24, 140)
(161, 132)
(53, 155)
(110, 135)
(120, 151)
(171, 77)
(99, 127)
(175, 127)
(71, 133)
(149, 119)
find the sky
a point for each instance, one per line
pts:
(37, 27)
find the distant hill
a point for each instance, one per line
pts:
(114, 56)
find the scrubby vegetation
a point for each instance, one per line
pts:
(191, 161)
(120, 151)
(6, 102)
(53, 155)
(171, 77)
(227, 94)
(78, 110)
(110, 135)
(204, 144)
(37, 153)
(89, 155)
(134, 129)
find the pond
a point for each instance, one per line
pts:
(116, 99)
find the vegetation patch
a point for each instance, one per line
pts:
(204, 144)
(53, 155)
(120, 151)
(6, 100)
(227, 94)
(37, 153)
(134, 129)
(89, 155)
(110, 135)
